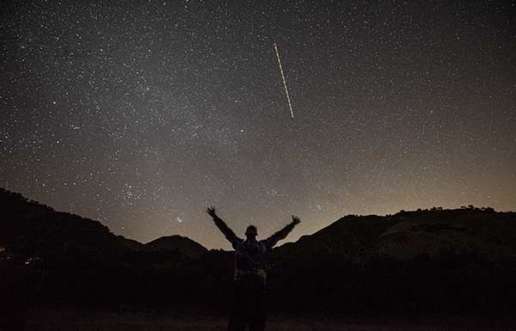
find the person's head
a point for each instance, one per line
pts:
(251, 232)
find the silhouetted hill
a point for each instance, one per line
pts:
(35, 230)
(176, 243)
(433, 260)
(456, 260)
(31, 228)
(431, 233)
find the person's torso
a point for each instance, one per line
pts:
(251, 258)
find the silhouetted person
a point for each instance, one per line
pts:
(250, 276)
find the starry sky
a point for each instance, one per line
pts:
(140, 114)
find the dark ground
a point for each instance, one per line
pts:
(454, 267)
(59, 319)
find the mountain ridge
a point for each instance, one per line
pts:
(420, 261)
(349, 236)
(27, 223)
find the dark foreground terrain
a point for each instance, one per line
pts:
(436, 262)
(95, 321)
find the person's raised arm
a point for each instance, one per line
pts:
(228, 233)
(282, 234)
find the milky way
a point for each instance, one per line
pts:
(142, 113)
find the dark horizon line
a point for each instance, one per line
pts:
(432, 209)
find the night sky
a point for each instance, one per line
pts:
(140, 114)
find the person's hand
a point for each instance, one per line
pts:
(211, 211)
(295, 220)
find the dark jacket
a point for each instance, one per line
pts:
(251, 255)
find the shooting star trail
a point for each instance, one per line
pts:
(284, 81)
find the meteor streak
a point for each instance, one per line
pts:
(284, 81)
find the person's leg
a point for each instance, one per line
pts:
(247, 302)
(237, 318)
(259, 306)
